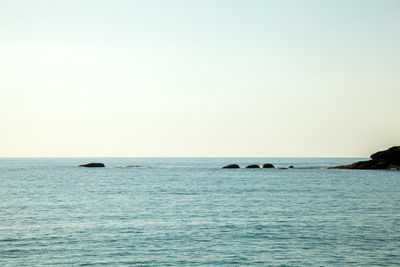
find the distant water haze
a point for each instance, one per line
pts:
(199, 78)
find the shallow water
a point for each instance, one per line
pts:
(180, 211)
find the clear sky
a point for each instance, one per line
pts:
(199, 78)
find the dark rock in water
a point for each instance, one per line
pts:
(231, 166)
(93, 165)
(253, 166)
(286, 168)
(268, 165)
(390, 155)
(368, 164)
(383, 160)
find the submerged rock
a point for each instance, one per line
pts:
(133, 166)
(231, 166)
(268, 166)
(383, 160)
(285, 168)
(253, 166)
(93, 165)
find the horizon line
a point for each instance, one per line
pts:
(16, 157)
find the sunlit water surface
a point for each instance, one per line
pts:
(179, 211)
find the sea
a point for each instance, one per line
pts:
(190, 212)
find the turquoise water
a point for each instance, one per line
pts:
(190, 212)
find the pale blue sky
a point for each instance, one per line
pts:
(199, 78)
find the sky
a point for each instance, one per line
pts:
(209, 78)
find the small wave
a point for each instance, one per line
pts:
(127, 167)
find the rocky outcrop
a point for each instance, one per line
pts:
(253, 166)
(231, 166)
(93, 165)
(268, 166)
(390, 155)
(383, 160)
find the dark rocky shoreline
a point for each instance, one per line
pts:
(383, 160)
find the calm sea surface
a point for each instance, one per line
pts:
(190, 212)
